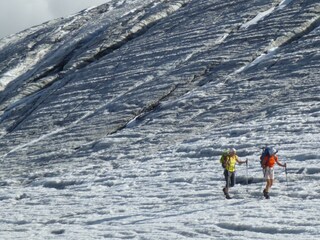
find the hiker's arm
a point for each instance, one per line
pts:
(240, 162)
(280, 164)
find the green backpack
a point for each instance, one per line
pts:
(224, 158)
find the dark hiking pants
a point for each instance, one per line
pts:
(230, 178)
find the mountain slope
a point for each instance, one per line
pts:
(117, 116)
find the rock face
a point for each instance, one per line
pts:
(158, 82)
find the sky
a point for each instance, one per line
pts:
(17, 15)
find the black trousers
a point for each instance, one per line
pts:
(230, 178)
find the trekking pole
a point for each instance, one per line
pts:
(228, 180)
(247, 171)
(264, 178)
(286, 171)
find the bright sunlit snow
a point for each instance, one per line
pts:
(113, 121)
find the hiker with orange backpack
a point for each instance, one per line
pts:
(268, 160)
(228, 161)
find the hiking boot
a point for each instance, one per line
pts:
(266, 194)
(225, 191)
(228, 196)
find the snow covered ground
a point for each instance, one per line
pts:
(113, 121)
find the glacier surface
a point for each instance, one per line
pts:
(112, 121)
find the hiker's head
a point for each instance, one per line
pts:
(272, 151)
(232, 151)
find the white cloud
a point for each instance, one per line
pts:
(17, 15)
(61, 8)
